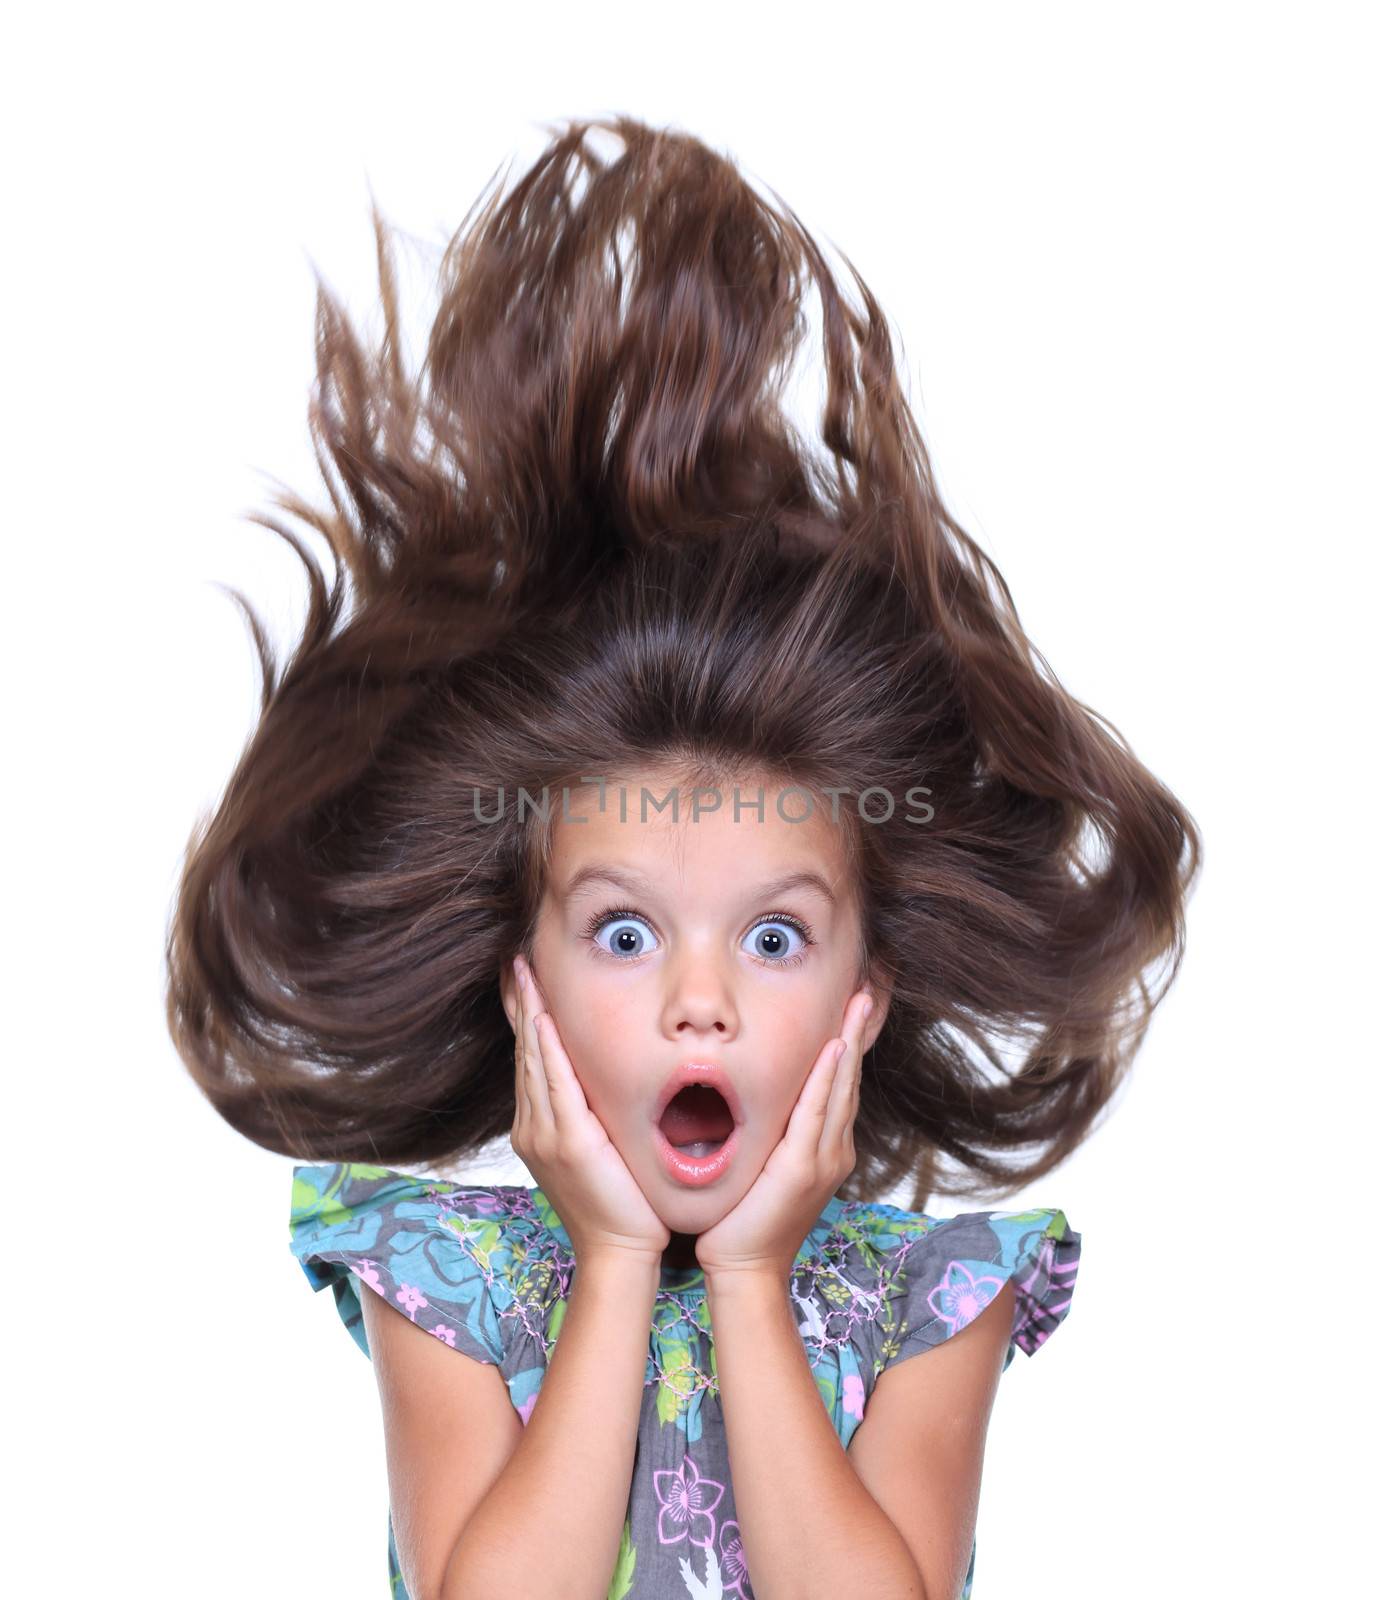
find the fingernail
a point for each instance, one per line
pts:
(840, 1049)
(867, 1008)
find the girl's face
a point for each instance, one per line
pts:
(674, 940)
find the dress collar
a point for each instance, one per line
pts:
(678, 1278)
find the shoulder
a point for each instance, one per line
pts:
(346, 1207)
(447, 1256)
(913, 1280)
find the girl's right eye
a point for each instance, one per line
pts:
(626, 930)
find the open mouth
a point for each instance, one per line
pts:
(696, 1121)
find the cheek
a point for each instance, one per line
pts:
(793, 1032)
(607, 1014)
(600, 1025)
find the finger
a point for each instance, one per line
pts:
(845, 1097)
(809, 1117)
(858, 1016)
(517, 1017)
(566, 1092)
(566, 1098)
(527, 1044)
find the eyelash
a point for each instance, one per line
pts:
(599, 918)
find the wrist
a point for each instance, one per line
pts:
(758, 1281)
(619, 1261)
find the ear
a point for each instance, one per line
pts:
(509, 990)
(880, 986)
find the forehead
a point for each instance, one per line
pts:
(675, 844)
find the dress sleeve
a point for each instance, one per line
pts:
(963, 1262)
(354, 1226)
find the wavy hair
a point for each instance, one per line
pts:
(585, 539)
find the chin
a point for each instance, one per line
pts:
(689, 1213)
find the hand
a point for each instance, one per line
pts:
(765, 1229)
(564, 1145)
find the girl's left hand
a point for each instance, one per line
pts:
(765, 1230)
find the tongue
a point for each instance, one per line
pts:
(697, 1116)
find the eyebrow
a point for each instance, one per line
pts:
(621, 878)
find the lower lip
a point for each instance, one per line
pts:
(696, 1171)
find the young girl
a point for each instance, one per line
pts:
(689, 806)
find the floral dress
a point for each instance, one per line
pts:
(486, 1269)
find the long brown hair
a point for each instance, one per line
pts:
(586, 540)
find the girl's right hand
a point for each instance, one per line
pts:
(565, 1146)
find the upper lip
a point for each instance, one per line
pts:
(706, 1072)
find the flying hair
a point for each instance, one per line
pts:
(585, 539)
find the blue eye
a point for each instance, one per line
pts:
(628, 930)
(775, 940)
(624, 939)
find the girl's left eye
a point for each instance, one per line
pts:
(773, 936)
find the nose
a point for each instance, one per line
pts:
(699, 999)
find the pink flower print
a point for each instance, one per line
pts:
(687, 1500)
(367, 1272)
(731, 1560)
(527, 1408)
(446, 1334)
(960, 1296)
(410, 1297)
(853, 1395)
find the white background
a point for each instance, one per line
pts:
(1142, 262)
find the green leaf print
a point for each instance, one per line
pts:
(626, 1564)
(862, 1244)
(329, 1211)
(357, 1170)
(309, 1202)
(556, 1320)
(678, 1378)
(482, 1243)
